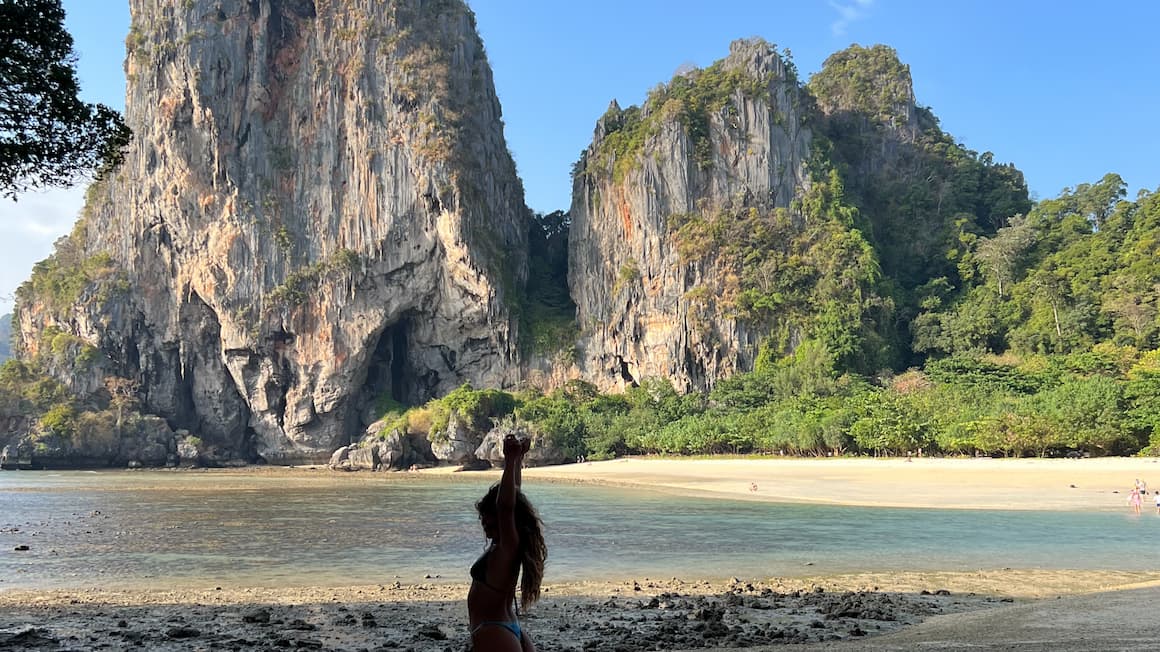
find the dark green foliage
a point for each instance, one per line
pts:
(976, 372)
(1082, 271)
(548, 316)
(558, 419)
(809, 372)
(923, 197)
(1102, 402)
(478, 407)
(385, 406)
(47, 135)
(1142, 395)
(583, 422)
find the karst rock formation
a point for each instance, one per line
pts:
(318, 217)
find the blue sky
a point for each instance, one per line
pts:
(1066, 90)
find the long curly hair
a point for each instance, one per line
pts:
(533, 551)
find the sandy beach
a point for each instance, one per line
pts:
(1010, 608)
(946, 483)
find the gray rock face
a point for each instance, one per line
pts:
(399, 451)
(541, 452)
(626, 275)
(140, 441)
(318, 209)
(339, 458)
(365, 459)
(188, 453)
(457, 444)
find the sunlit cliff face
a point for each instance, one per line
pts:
(317, 212)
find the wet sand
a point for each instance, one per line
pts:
(641, 614)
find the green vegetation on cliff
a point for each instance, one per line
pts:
(690, 98)
(803, 272)
(547, 314)
(867, 83)
(300, 283)
(923, 197)
(70, 274)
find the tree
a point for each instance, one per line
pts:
(1000, 255)
(48, 136)
(1096, 201)
(124, 393)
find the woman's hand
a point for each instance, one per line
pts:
(514, 449)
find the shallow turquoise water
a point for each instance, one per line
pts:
(164, 529)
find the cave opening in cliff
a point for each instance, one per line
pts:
(387, 370)
(399, 390)
(625, 374)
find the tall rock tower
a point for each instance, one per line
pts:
(317, 214)
(728, 138)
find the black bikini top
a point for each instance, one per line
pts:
(479, 573)
(479, 569)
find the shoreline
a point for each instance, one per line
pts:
(1093, 484)
(846, 611)
(922, 483)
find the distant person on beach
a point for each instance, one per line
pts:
(1158, 502)
(515, 541)
(1134, 500)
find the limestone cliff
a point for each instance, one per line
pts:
(317, 213)
(731, 137)
(318, 219)
(739, 213)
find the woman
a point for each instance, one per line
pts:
(515, 542)
(1134, 500)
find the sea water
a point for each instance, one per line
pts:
(198, 530)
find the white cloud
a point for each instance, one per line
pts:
(28, 227)
(849, 12)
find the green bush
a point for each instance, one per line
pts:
(60, 420)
